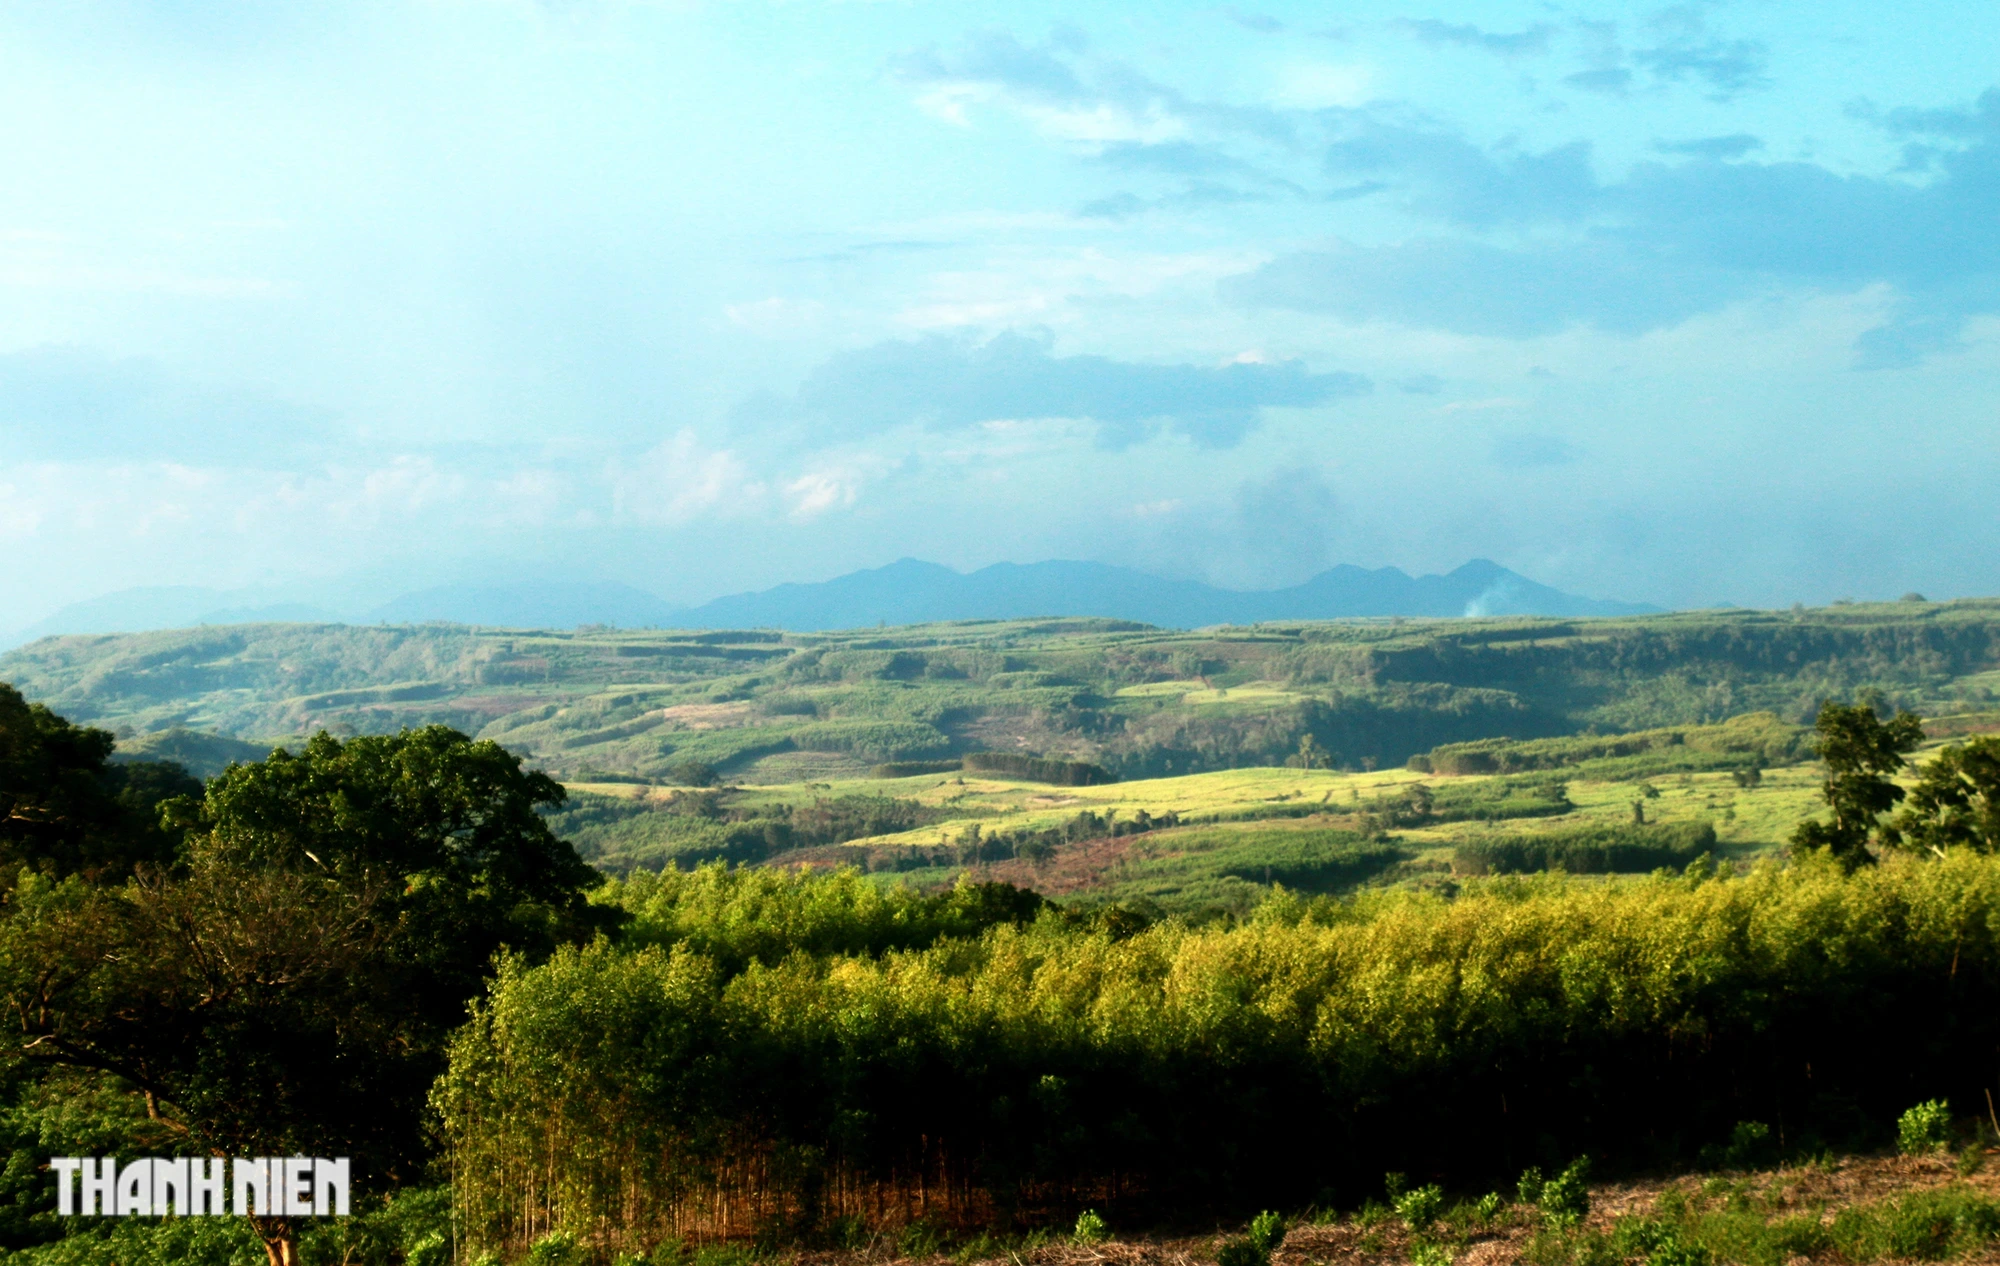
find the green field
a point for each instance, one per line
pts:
(1202, 728)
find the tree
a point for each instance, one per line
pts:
(1862, 753)
(1310, 752)
(67, 808)
(287, 988)
(1956, 800)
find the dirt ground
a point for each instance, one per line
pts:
(1790, 1191)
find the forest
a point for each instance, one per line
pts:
(990, 999)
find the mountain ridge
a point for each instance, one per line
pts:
(907, 591)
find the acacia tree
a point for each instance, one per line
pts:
(287, 987)
(1862, 753)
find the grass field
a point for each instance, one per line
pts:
(1242, 831)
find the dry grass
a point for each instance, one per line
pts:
(1822, 1188)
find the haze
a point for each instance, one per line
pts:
(1681, 305)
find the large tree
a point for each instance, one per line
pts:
(1956, 801)
(1862, 753)
(287, 986)
(67, 808)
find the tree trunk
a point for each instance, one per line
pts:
(281, 1240)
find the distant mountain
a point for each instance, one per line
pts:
(905, 592)
(914, 592)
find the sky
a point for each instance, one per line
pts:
(1688, 305)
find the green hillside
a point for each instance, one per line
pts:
(763, 707)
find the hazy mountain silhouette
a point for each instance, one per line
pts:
(905, 592)
(910, 592)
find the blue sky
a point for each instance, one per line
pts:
(1686, 304)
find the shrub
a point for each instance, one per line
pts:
(557, 1248)
(1750, 1146)
(1267, 1231)
(1420, 1208)
(1489, 1206)
(1430, 1253)
(1925, 1128)
(1565, 1199)
(1090, 1228)
(692, 773)
(922, 1238)
(1529, 1189)
(1241, 1253)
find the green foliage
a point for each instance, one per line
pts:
(1063, 773)
(1430, 1253)
(1925, 1225)
(739, 916)
(1529, 1189)
(1862, 752)
(608, 699)
(1240, 1252)
(1924, 1129)
(620, 834)
(911, 768)
(67, 808)
(1267, 1231)
(1750, 1146)
(1744, 742)
(557, 1248)
(1420, 1207)
(289, 988)
(1564, 1200)
(1058, 1053)
(1590, 850)
(1956, 801)
(1090, 1229)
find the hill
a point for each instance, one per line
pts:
(770, 707)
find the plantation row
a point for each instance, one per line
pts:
(761, 1052)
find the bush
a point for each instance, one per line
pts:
(1420, 1208)
(1565, 1199)
(1529, 1189)
(1267, 1231)
(1241, 1253)
(1750, 1146)
(1430, 1253)
(557, 1248)
(1924, 1129)
(1090, 1228)
(692, 773)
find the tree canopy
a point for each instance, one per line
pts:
(287, 984)
(1862, 752)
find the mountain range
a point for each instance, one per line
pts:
(908, 591)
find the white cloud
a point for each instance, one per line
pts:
(680, 481)
(1303, 85)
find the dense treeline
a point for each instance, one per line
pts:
(1591, 850)
(1061, 773)
(679, 1088)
